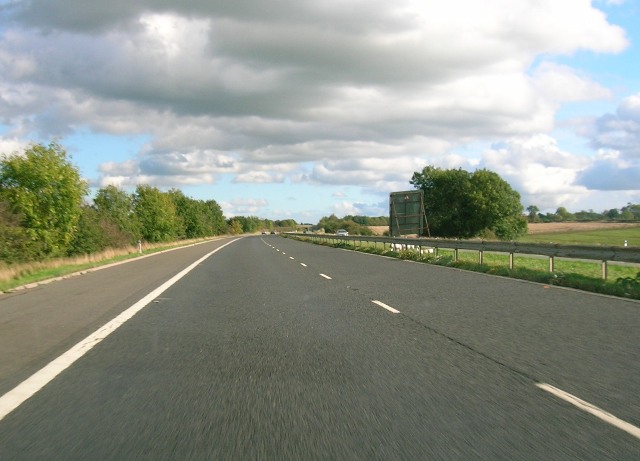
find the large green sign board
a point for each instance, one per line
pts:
(406, 213)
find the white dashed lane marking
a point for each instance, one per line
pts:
(591, 409)
(384, 306)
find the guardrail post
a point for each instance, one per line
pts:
(455, 255)
(511, 261)
(604, 270)
(481, 257)
(551, 261)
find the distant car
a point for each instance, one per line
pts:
(342, 232)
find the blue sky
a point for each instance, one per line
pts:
(299, 109)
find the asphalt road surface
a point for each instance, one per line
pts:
(275, 349)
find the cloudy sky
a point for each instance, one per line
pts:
(303, 108)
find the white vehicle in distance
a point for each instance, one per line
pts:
(342, 232)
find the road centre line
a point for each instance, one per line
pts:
(303, 264)
(23, 391)
(591, 409)
(385, 306)
(325, 276)
(291, 257)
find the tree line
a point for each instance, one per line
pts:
(44, 214)
(355, 225)
(630, 212)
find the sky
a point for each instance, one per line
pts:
(304, 108)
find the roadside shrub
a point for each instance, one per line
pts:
(630, 285)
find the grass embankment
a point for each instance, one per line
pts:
(623, 279)
(15, 275)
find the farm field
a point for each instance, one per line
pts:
(574, 233)
(589, 233)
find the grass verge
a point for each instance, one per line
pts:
(622, 281)
(16, 275)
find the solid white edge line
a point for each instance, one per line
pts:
(325, 276)
(383, 305)
(592, 409)
(23, 391)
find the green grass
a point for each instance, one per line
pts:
(623, 279)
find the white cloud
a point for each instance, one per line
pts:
(359, 93)
(344, 208)
(620, 131)
(544, 175)
(10, 146)
(259, 177)
(610, 171)
(562, 84)
(243, 207)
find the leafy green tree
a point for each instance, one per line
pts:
(564, 214)
(630, 212)
(533, 215)
(612, 214)
(200, 222)
(116, 206)
(588, 216)
(46, 191)
(217, 222)
(497, 206)
(156, 214)
(286, 223)
(332, 223)
(626, 215)
(460, 204)
(251, 224)
(235, 226)
(447, 198)
(196, 218)
(91, 236)
(15, 244)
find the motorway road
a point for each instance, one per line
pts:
(276, 349)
